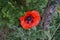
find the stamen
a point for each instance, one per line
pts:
(29, 19)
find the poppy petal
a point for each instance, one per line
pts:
(35, 19)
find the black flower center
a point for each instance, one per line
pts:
(29, 19)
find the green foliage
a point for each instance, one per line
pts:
(10, 12)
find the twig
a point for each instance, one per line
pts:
(48, 4)
(3, 33)
(48, 14)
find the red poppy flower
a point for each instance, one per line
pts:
(30, 19)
